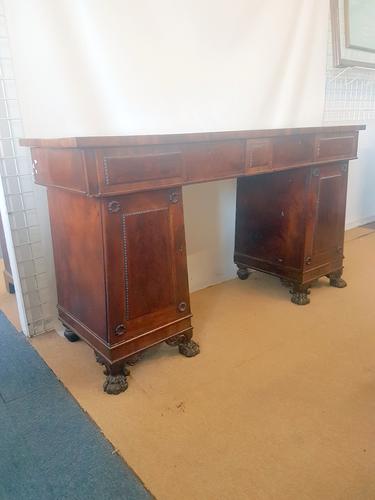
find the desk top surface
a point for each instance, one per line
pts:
(143, 140)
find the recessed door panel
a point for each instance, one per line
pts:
(147, 285)
(328, 221)
(328, 197)
(149, 260)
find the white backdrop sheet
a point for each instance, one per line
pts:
(94, 67)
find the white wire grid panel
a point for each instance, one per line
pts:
(16, 175)
(350, 95)
(350, 92)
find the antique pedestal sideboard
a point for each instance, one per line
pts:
(118, 227)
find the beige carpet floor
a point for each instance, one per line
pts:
(280, 404)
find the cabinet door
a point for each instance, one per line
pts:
(147, 282)
(326, 224)
(270, 220)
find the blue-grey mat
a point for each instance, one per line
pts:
(49, 448)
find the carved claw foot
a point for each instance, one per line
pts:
(70, 335)
(300, 298)
(336, 280)
(116, 382)
(186, 345)
(189, 349)
(300, 295)
(243, 273)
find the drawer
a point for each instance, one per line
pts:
(211, 161)
(133, 169)
(336, 146)
(293, 149)
(124, 169)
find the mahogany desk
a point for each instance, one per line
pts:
(118, 233)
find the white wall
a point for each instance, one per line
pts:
(94, 67)
(361, 187)
(350, 98)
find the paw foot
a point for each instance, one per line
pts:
(70, 335)
(300, 298)
(337, 282)
(243, 273)
(115, 384)
(189, 348)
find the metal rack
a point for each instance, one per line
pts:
(350, 94)
(16, 175)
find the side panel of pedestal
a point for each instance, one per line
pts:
(79, 261)
(146, 268)
(291, 224)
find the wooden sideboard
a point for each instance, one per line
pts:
(118, 226)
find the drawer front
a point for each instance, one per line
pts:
(211, 161)
(258, 155)
(336, 146)
(288, 151)
(124, 170)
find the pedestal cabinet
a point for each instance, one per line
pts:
(118, 232)
(291, 224)
(122, 274)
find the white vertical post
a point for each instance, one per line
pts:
(13, 263)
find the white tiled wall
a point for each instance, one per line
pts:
(16, 175)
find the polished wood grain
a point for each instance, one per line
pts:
(187, 138)
(118, 227)
(298, 235)
(267, 233)
(76, 228)
(144, 241)
(104, 168)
